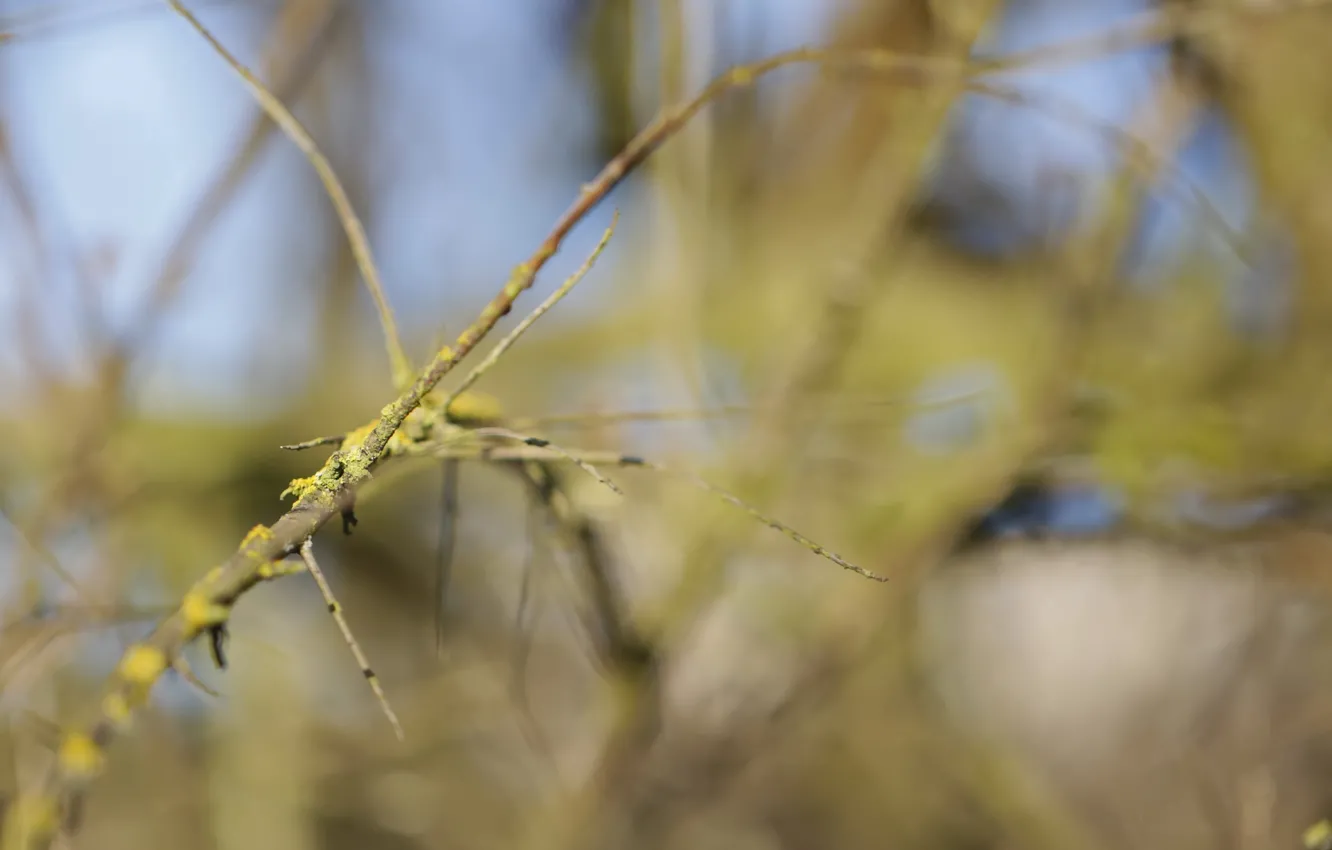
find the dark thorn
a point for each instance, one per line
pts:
(217, 642)
(349, 520)
(632, 654)
(74, 814)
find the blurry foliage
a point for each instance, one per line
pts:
(811, 249)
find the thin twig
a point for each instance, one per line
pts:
(1139, 154)
(521, 328)
(482, 451)
(87, 617)
(843, 409)
(448, 544)
(81, 476)
(356, 236)
(307, 555)
(619, 416)
(1159, 26)
(522, 633)
(770, 522)
(541, 443)
(724, 411)
(618, 644)
(537, 450)
(315, 443)
(289, 80)
(186, 672)
(43, 552)
(524, 637)
(50, 19)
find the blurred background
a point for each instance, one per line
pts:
(1047, 346)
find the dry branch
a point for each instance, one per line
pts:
(335, 609)
(351, 223)
(311, 39)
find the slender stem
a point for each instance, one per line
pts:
(448, 543)
(521, 328)
(360, 243)
(540, 443)
(335, 609)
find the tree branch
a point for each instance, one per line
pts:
(351, 223)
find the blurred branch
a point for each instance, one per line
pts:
(29, 324)
(356, 236)
(56, 18)
(627, 657)
(682, 219)
(1167, 23)
(303, 32)
(879, 190)
(457, 446)
(878, 197)
(305, 24)
(206, 607)
(608, 40)
(1270, 76)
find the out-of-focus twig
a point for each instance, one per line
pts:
(351, 223)
(305, 25)
(536, 449)
(1168, 22)
(60, 18)
(297, 44)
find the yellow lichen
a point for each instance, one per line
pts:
(288, 568)
(80, 755)
(200, 612)
(298, 487)
(357, 437)
(116, 709)
(142, 664)
(32, 814)
(256, 534)
(1318, 836)
(475, 407)
(277, 569)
